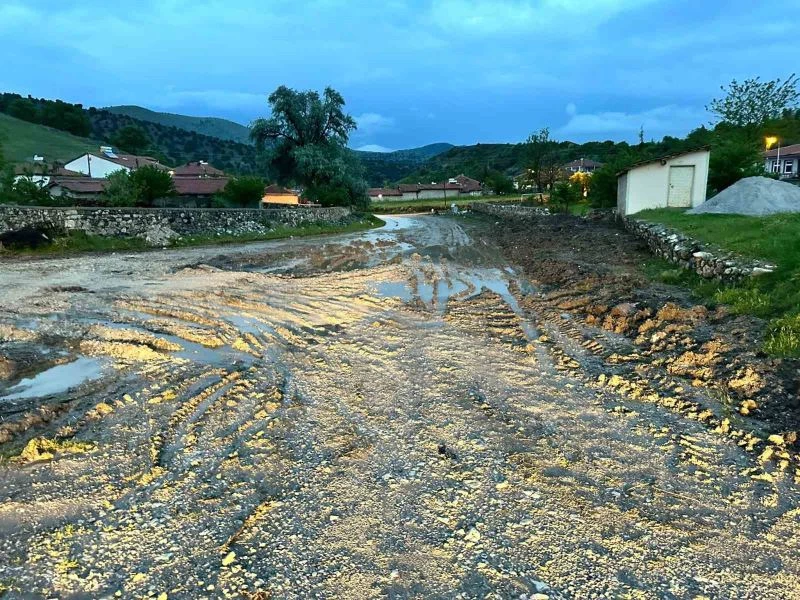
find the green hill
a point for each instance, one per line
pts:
(387, 167)
(210, 126)
(21, 140)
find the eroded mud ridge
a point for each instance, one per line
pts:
(400, 413)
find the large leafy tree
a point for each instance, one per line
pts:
(753, 102)
(306, 138)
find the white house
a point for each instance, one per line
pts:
(783, 161)
(678, 180)
(104, 163)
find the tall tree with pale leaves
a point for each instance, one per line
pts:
(753, 102)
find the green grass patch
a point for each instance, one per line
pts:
(425, 205)
(774, 239)
(21, 140)
(79, 242)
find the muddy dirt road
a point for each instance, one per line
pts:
(384, 414)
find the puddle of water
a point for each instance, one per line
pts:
(57, 379)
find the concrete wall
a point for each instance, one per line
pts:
(138, 222)
(647, 186)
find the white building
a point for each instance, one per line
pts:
(783, 161)
(678, 181)
(104, 163)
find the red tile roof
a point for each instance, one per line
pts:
(191, 186)
(468, 184)
(792, 149)
(132, 161)
(277, 190)
(375, 192)
(80, 185)
(197, 169)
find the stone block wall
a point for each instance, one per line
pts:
(689, 253)
(508, 210)
(140, 222)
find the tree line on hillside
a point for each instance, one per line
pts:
(303, 144)
(170, 145)
(747, 112)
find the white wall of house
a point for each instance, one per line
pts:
(40, 180)
(99, 167)
(679, 181)
(786, 167)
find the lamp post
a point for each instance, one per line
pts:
(770, 142)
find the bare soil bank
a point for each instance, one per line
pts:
(591, 276)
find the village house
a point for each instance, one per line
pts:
(453, 187)
(104, 163)
(275, 194)
(583, 165)
(783, 161)
(200, 169)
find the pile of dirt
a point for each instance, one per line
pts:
(755, 196)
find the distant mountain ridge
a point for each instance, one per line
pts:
(386, 167)
(210, 126)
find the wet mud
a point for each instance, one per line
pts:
(439, 408)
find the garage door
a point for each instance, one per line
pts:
(680, 186)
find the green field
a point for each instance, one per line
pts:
(20, 140)
(775, 239)
(409, 206)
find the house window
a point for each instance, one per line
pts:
(788, 166)
(774, 167)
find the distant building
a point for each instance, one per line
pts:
(582, 165)
(786, 166)
(674, 181)
(106, 162)
(78, 188)
(41, 173)
(275, 194)
(199, 169)
(452, 188)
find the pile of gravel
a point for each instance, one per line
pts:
(756, 196)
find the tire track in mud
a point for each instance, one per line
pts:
(424, 428)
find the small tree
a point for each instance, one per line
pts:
(753, 102)
(499, 183)
(244, 192)
(733, 158)
(541, 159)
(131, 139)
(120, 190)
(565, 193)
(151, 183)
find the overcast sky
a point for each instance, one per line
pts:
(412, 72)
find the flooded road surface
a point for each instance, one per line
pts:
(363, 416)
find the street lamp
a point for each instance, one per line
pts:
(770, 141)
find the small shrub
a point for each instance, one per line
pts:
(783, 336)
(745, 300)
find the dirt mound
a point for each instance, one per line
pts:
(756, 196)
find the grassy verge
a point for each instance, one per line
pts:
(410, 206)
(775, 297)
(79, 242)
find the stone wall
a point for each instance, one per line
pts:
(142, 222)
(688, 253)
(508, 210)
